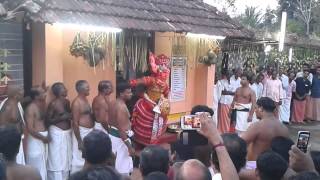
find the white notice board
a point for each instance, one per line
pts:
(178, 79)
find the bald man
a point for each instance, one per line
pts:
(11, 113)
(193, 170)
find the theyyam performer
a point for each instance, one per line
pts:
(150, 112)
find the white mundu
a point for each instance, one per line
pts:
(20, 159)
(242, 116)
(77, 160)
(37, 154)
(98, 126)
(124, 163)
(59, 154)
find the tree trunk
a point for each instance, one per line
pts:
(308, 29)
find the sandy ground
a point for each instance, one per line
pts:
(313, 127)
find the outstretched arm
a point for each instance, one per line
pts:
(209, 130)
(147, 81)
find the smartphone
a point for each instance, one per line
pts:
(303, 140)
(190, 122)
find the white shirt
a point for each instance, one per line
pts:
(235, 83)
(285, 85)
(224, 84)
(254, 88)
(260, 90)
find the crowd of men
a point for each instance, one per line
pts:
(296, 93)
(60, 140)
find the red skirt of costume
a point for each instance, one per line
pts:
(298, 113)
(142, 123)
(224, 118)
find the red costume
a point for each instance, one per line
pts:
(150, 112)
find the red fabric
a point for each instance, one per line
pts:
(298, 108)
(308, 113)
(142, 122)
(224, 118)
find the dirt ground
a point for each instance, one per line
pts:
(313, 127)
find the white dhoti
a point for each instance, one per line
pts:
(59, 154)
(20, 159)
(242, 123)
(77, 160)
(37, 154)
(124, 163)
(284, 110)
(98, 126)
(20, 156)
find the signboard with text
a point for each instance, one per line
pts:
(178, 79)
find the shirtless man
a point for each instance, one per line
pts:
(260, 134)
(38, 138)
(100, 105)
(120, 129)
(243, 105)
(59, 123)
(9, 146)
(11, 113)
(82, 123)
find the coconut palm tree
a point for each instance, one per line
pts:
(252, 18)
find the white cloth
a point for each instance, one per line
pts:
(37, 154)
(216, 97)
(235, 82)
(59, 154)
(285, 107)
(124, 163)
(20, 159)
(284, 110)
(250, 165)
(98, 126)
(254, 88)
(217, 177)
(224, 84)
(242, 117)
(77, 160)
(258, 89)
(58, 175)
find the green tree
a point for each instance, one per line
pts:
(304, 11)
(252, 18)
(269, 20)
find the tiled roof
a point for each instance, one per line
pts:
(149, 15)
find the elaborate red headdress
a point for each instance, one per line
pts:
(159, 63)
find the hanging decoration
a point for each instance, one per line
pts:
(93, 50)
(211, 57)
(133, 53)
(204, 51)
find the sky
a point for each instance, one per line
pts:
(241, 5)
